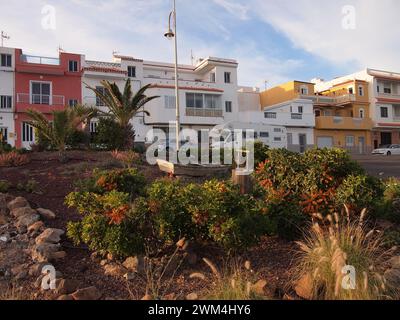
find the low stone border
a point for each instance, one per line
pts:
(39, 247)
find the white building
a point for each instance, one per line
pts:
(208, 90)
(7, 94)
(297, 116)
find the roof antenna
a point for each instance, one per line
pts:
(115, 52)
(60, 49)
(4, 36)
(192, 57)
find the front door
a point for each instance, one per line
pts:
(386, 138)
(28, 135)
(361, 144)
(302, 142)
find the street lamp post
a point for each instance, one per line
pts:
(169, 35)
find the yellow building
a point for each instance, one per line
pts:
(342, 115)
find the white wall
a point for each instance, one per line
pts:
(7, 88)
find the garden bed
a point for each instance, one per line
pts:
(272, 258)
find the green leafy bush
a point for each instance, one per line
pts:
(109, 134)
(295, 187)
(260, 153)
(359, 191)
(214, 211)
(4, 186)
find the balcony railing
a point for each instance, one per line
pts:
(297, 116)
(40, 60)
(209, 113)
(389, 95)
(331, 100)
(50, 100)
(326, 122)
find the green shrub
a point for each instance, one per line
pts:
(77, 139)
(294, 187)
(260, 153)
(359, 191)
(4, 186)
(214, 211)
(390, 207)
(109, 134)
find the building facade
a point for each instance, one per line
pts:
(7, 95)
(290, 105)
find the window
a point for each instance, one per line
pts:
(3, 134)
(304, 90)
(99, 102)
(270, 115)
(317, 112)
(277, 139)
(27, 132)
(387, 88)
(227, 77)
(228, 106)
(360, 91)
(264, 134)
(212, 77)
(73, 66)
(93, 126)
(169, 102)
(6, 60)
(361, 113)
(384, 112)
(210, 101)
(194, 100)
(41, 93)
(5, 102)
(300, 109)
(351, 90)
(349, 141)
(131, 72)
(277, 130)
(73, 102)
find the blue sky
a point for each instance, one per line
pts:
(272, 40)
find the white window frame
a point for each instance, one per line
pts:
(6, 99)
(228, 107)
(31, 82)
(30, 132)
(6, 55)
(75, 63)
(304, 90)
(130, 68)
(361, 90)
(349, 141)
(227, 76)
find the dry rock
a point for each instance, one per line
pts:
(192, 296)
(67, 286)
(114, 270)
(90, 293)
(44, 252)
(50, 235)
(304, 287)
(36, 227)
(27, 220)
(46, 214)
(134, 264)
(23, 211)
(18, 202)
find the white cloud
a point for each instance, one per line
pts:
(237, 9)
(316, 26)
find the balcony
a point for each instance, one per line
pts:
(40, 60)
(346, 123)
(40, 99)
(331, 100)
(297, 116)
(207, 113)
(389, 96)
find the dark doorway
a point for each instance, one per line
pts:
(386, 138)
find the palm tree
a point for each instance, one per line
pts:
(63, 124)
(123, 107)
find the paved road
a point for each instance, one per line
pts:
(380, 166)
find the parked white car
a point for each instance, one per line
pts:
(388, 150)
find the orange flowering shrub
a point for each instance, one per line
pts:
(13, 159)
